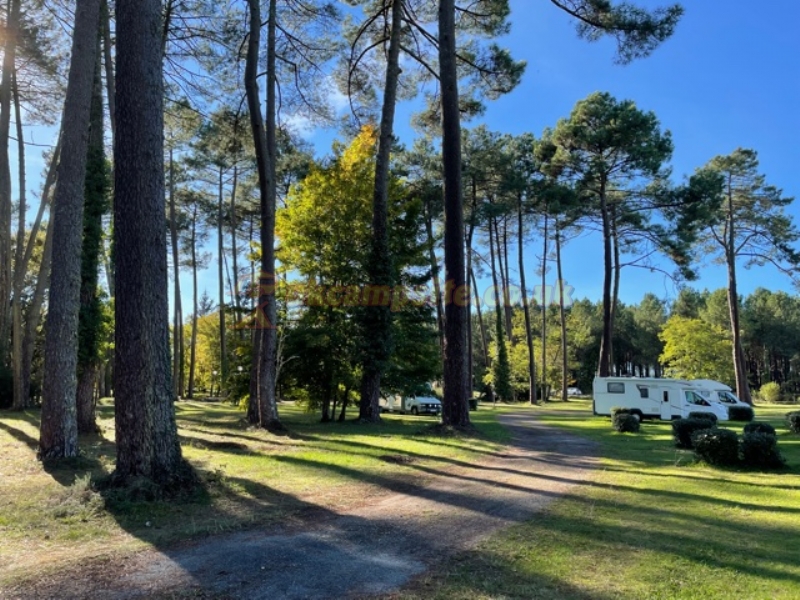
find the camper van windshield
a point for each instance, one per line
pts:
(728, 398)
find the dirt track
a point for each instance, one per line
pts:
(370, 550)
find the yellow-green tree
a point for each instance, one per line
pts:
(694, 349)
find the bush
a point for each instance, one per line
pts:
(704, 415)
(682, 430)
(740, 413)
(758, 427)
(618, 410)
(625, 422)
(716, 446)
(770, 392)
(760, 450)
(794, 421)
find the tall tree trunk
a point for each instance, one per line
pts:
(470, 360)
(59, 429)
(177, 321)
(235, 249)
(20, 393)
(562, 313)
(604, 364)
(499, 387)
(345, 402)
(544, 307)
(108, 64)
(43, 280)
(95, 205)
(193, 342)
(437, 288)
(526, 306)
(11, 34)
(739, 363)
(146, 433)
(455, 411)
(263, 407)
(223, 349)
(377, 320)
(617, 276)
(508, 309)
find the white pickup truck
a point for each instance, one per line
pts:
(416, 405)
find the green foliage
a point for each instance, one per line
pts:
(638, 32)
(793, 419)
(694, 349)
(619, 410)
(716, 446)
(770, 392)
(740, 413)
(704, 415)
(760, 450)
(683, 429)
(625, 423)
(759, 427)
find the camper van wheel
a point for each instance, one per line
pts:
(414, 411)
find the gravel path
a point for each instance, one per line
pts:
(370, 550)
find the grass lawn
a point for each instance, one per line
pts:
(652, 524)
(52, 517)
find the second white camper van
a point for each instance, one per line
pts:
(664, 399)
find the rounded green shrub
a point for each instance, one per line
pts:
(702, 414)
(716, 446)
(682, 430)
(794, 421)
(770, 392)
(625, 423)
(740, 413)
(619, 410)
(759, 427)
(760, 450)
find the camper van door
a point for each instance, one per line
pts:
(667, 398)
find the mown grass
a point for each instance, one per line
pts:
(652, 524)
(52, 516)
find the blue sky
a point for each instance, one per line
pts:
(729, 77)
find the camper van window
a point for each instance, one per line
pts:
(693, 398)
(727, 397)
(644, 391)
(616, 387)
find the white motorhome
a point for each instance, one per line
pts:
(416, 405)
(719, 392)
(664, 399)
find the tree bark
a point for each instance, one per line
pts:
(545, 394)
(11, 34)
(455, 410)
(377, 320)
(617, 277)
(177, 321)
(223, 349)
(193, 342)
(34, 314)
(526, 307)
(20, 393)
(263, 407)
(562, 317)
(437, 289)
(108, 64)
(604, 365)
(739, 364)
(59, 430)
(90, 316)
(146, 433)
(235, 250)
(508, 309)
